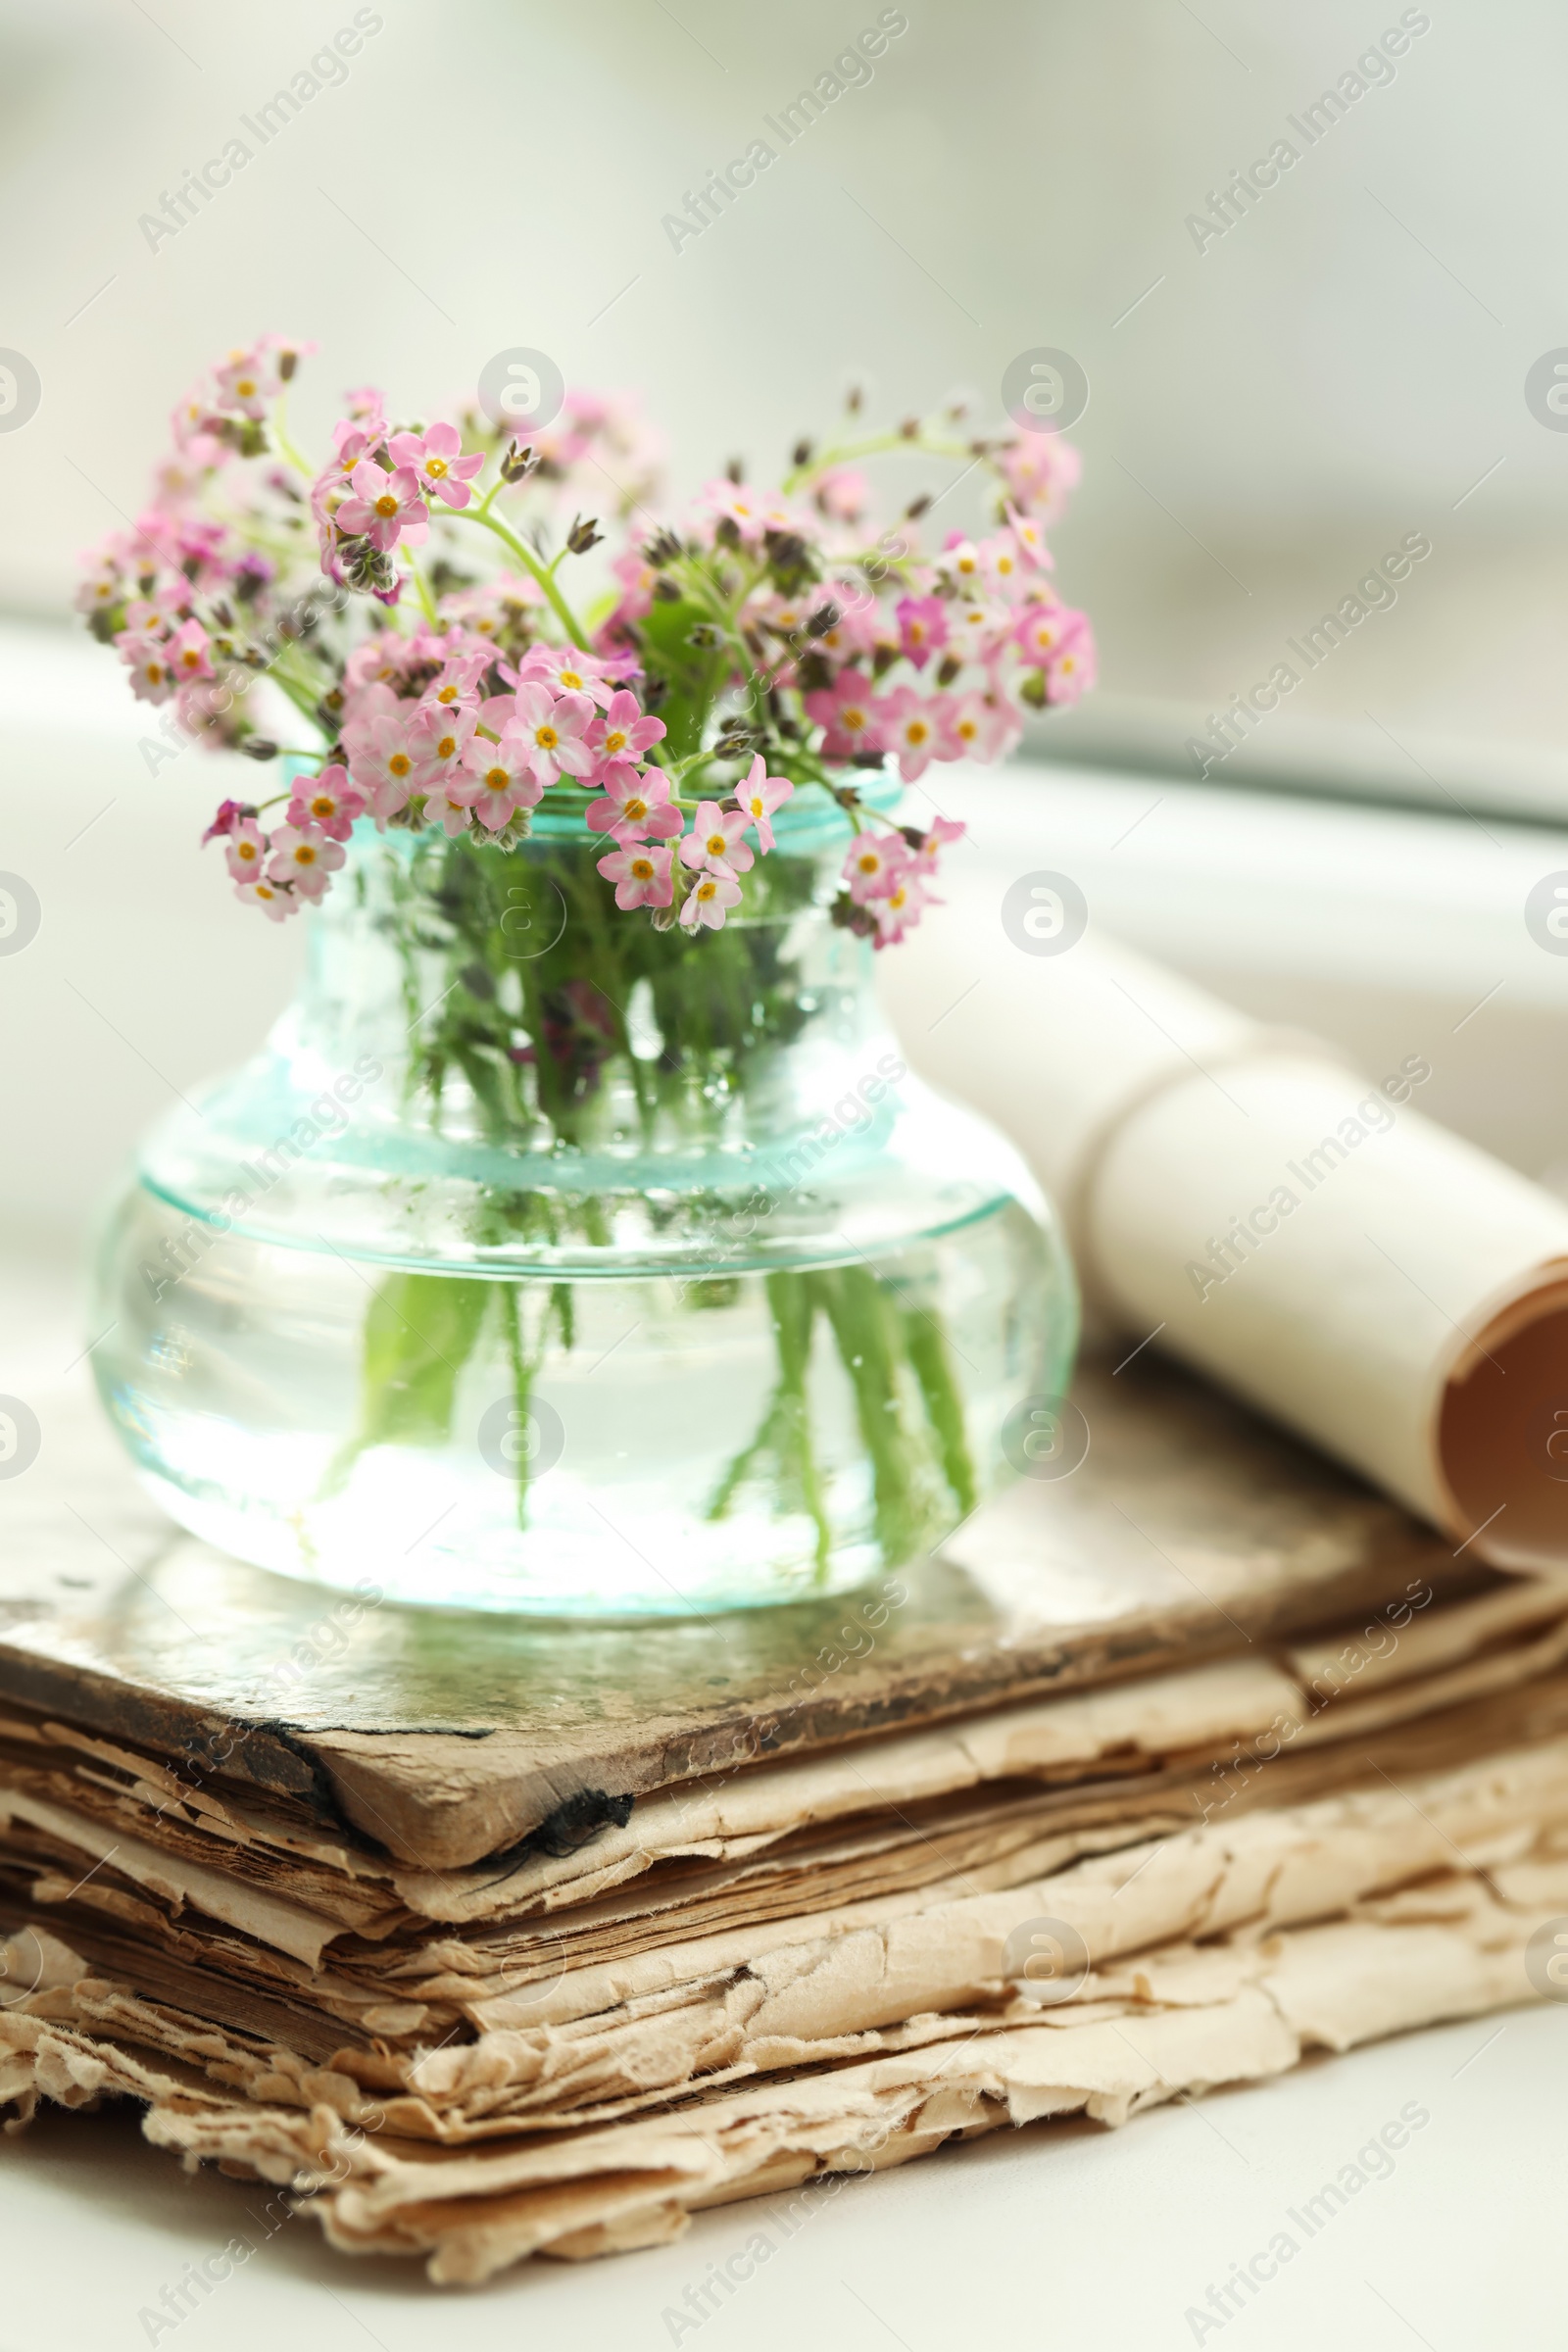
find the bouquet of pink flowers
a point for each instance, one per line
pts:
(676, 697)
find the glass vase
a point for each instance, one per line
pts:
(543, 1261)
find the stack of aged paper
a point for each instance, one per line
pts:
(1144, 1879)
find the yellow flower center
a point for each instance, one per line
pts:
(571, 679)
(155, 673)
(446, 694)
(643, 869)
(386, 504)
(399, 764)
(917, 731)
(497, 778)
(716, 844)
(614, 743)
(967, 730)
(245, 850)
(446, 747)
(191, 658)
(708, 890)
(246, 387)
(435, 467)
(756, 803)
(853, 718)
(868, 861)
(546, 738)
(304, 855)
(323, 805)
(636, 810)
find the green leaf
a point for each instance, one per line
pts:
(418, 1333)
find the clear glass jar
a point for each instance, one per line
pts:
(543, 1261)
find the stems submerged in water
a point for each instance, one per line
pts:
(540, 1039)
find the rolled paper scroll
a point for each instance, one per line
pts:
(1244, 1199)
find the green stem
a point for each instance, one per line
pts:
(869, 1350)
(521, 1383)
(926, 1345)
(427, 600)
(875, 445)
(285, 444)
(575, 633)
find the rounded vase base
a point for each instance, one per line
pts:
(561, 1571)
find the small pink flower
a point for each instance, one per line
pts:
(1073, 673)
(384, 506)
(913, 726)
(327, 800)
(922, 627)
(152, 679)
(963, 562)
(439, 734)
(248, 381)
(304, 855)
(760, 796)
(978, 728)
(642, 875)
(715, 843)
(230, 815)
(901, 909)
(274, 903)
(873, 864)
(567, 670)
(440, 808)
(1031, 540)
(624, 732)
(496, 779)
(849, 713)
(1044, 632)
(552, 730)
(842, 493)
(855, 631)
(436, 456)
(187, 654)
(732, 501)
(1006, 570)
(460, 679)
(942, 830)
(1040, 468)
(978, 630)
(383, 756)
(102, 586)
(708, 900)
(635, 808)
(247, 849)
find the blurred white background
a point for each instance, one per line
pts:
(1345, 364)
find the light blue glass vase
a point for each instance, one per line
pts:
(543, 1261)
